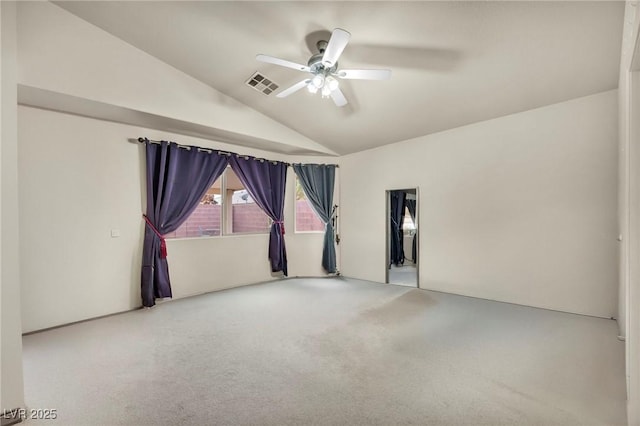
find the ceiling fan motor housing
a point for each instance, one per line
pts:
(315, 62)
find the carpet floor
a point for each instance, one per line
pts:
(329, 352)
(406, 275)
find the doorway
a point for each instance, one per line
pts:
(402, 237)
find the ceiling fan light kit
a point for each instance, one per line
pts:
(323, 67)
(318, 81)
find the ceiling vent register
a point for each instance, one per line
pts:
(261, 83)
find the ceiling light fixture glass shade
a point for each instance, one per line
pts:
(332, 83)
(318, 81)
(311, 88)
(326, 91)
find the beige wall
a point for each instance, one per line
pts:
(79, 179)
(623, 201)
(632, 245)
(629, 206)
(624, 210)
(11, 388)
(519, 209)
(61, 53)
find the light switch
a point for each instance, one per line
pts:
(115, 233)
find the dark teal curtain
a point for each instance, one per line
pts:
(317, 181)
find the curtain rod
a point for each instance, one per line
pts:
(228, 154)
(142, 140)
(337, 166)
(211, 151)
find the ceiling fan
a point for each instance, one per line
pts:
(323, 67)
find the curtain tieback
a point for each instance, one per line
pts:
(281, 225)
(163, 243)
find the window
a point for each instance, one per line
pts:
(243, 214)
(206, 219)
(306, 218)
(407, 223)
(226, 208)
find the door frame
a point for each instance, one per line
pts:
(388, 232)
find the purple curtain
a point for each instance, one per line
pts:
(177, 179)
(265, 180)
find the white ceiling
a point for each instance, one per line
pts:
(453, 63)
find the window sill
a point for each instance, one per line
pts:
(216, 237)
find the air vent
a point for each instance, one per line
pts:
(261, 83)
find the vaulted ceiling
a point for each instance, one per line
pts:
(453, 63)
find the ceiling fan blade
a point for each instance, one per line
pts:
(364, 74)
(299, 85)
(337, 43)
(282, 62)
(338, 98)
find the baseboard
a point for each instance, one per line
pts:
(40, 330)
(496, 300)
(11, 417)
